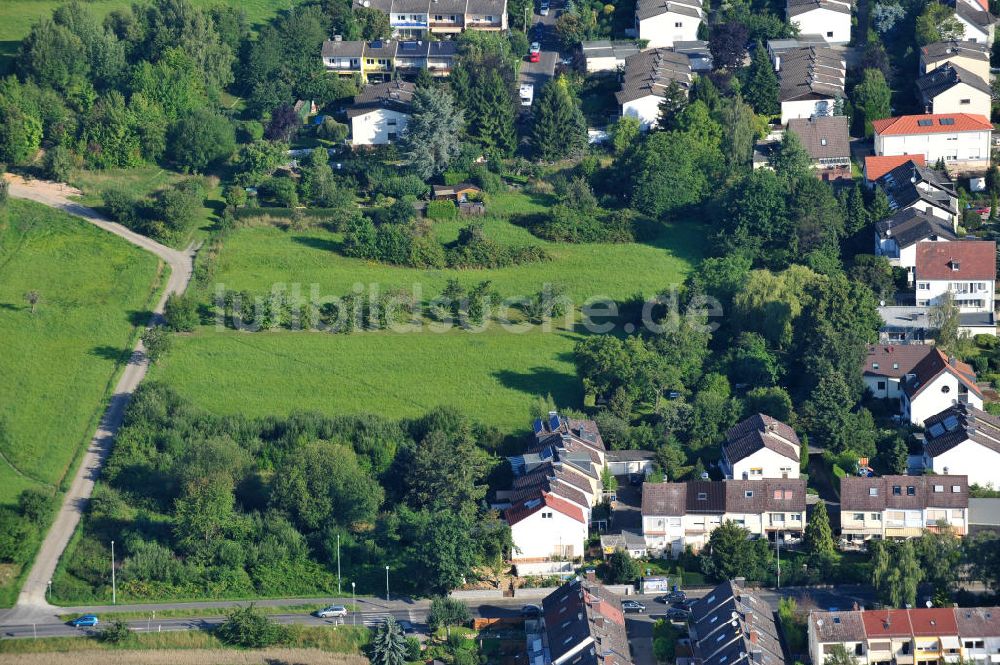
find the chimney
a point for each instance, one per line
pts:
(338, 38)
(777, 63)
(591, 575)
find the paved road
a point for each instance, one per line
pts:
(32, 603)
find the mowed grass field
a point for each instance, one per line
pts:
(17, 17)
(57, 365)
(495, 376)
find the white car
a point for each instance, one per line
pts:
(527, 94)
(331, 612)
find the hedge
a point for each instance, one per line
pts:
(441, 210)
(284, 213)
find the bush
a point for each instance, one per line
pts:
(115, 632)
(568, 224)
(455, 177)
(179, 205)
(246, 627)
(34, 504)
(331, 130)
(281, 191)
(4, 190)
(488, 181)
(441, 210)
(236, 196)
(181, 313)
(403, 185)
(121, 207)
(986, 341)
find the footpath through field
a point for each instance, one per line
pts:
(32, 603)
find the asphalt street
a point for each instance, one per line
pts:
(372, 612)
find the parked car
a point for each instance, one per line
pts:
(535, 52)
(676, 596)
(331, 612)
(531, 611)
(406, 626)
(544, 8)
(683, 605)
(527, 94)
(677, 614)
(633, 606)
(87, 620)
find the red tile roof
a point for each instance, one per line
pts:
(962, 260)
(909, 124)
(929, 621)
(886, 623)
(876, 166)
(529, 507)
(933, 364)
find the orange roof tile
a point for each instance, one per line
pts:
(877, 166)
(918, 124)
(528, 507)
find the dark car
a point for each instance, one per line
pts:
(677, 614)
(683, 605)
(633, 606)
(406, 626)
(676, 596)
(531, 611)
(86, 621)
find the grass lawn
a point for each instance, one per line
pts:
(58, 364)
(142, 181)
(495, 376)
(17, 16)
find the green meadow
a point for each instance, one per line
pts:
(59, 364)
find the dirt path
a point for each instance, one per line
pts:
(32, 601)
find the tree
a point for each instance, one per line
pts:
(447, 612)
(876, 272)
(388, 645)
(624, 134)
(157, 342)
(201, 138)
(4, 191)
(58, 163)
(761, 86)
(731, 553)
(622, 568)
(204, 515)
(181, 312)
(249, 628)
(373, 23)
(896, 572)
(818, 535)
(886, 15)
(492, 114)
(944, 317)
(320, 187)
(728, 44)
(444, 471)
(774, 401)
(284, 123)
(432, 138)
(675, 99)
(50, 56)
(558, 129)
(20, 133)
(940, 556)
(32, 297)
(872, 97)
(669, 171)
(738, 134)
(937, 23)
(839, 655)
(791, 161)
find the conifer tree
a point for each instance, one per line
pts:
(493, 113)
(761, 88)
(558, 128)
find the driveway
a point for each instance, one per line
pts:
(32, 602)
(640, 637)
(628, 512)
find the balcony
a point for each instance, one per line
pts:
(446, 26)
(409, 23)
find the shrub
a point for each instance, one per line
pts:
(4, 190)
(34, 504)
(249, 628)
(280, 191)
(178, 206)
(488, 181)
(181, 312)
(568, 224)
(236, 196)
(331, 130)
(400, 186)
(115, 632)
(440, 210)
(986, 341)
(121, 207)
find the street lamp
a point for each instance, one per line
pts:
(114, 588)
(387, 584)
(338, 564)
(50, 590)
(354, 607)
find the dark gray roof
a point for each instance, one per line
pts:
(604, 48)
(903, 492)
(944, 78)
(630, 455)
(811, 73)
(974, 16)
(757, 432)
(976, 319)
(396, 95)
(447, 7)
(381, 49)
(797, 7)
(442, 48)
(650, 72)
(754, 638)
(333, 48)
(901, 186)
(496, 7)
(823, 137)
(911, 225)
(939, 50)
(837, 626)
(664, 498)
(579, 610)
(649, 8)
(960, 423)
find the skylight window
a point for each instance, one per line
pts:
(947, 121)
(925, 123)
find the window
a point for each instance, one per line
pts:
(872, 491)
(370, 61)
(955, 489)
(911, 490)
(923, 286)
(965, 101)
(748, 493)
(881, 385)
(938, 489)
(829, 33)
(874, 365)
(797, 517)
(876, 517)
(702, 496)
(947, 121)
(859, 649)
(895, 365)
(859, 517)
(924, 123)
(489, 19)
(956, 514)
(897, 490)
(678, 25)
(777, 494)
(391, 122)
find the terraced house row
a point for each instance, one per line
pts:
(416, 18)
(377, 61)
(920, 636)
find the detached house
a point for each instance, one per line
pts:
(911, 186)
(964, 440)
(831, 19)
(732, 625)
(952, 89)
(811, 80)
(934, 384)
(970, 56)
(966, 270)
(876, 167)
(546, 527)
(886, 367)
(582, 624)
(380, 113)
(961, 140)
(902, 506)
(663, 22)
(676, 516)
(977, 22)
(761, 447)
(647, 76)
(826, 140)
(920, 635)
(897, 236)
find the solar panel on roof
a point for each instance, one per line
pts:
(538, 425)
(925, 123)
(947, 121)
(553, 422)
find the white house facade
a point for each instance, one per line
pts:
(963, 440)
(811, 81)
(902, 507)
(761, 447)
(663, 22)
(830, 19)
(936, 383)
(886, 367)
(546, 528)
(964, 270)
(961, 140)
(952, 89)
(897, 236)
(647, 76)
